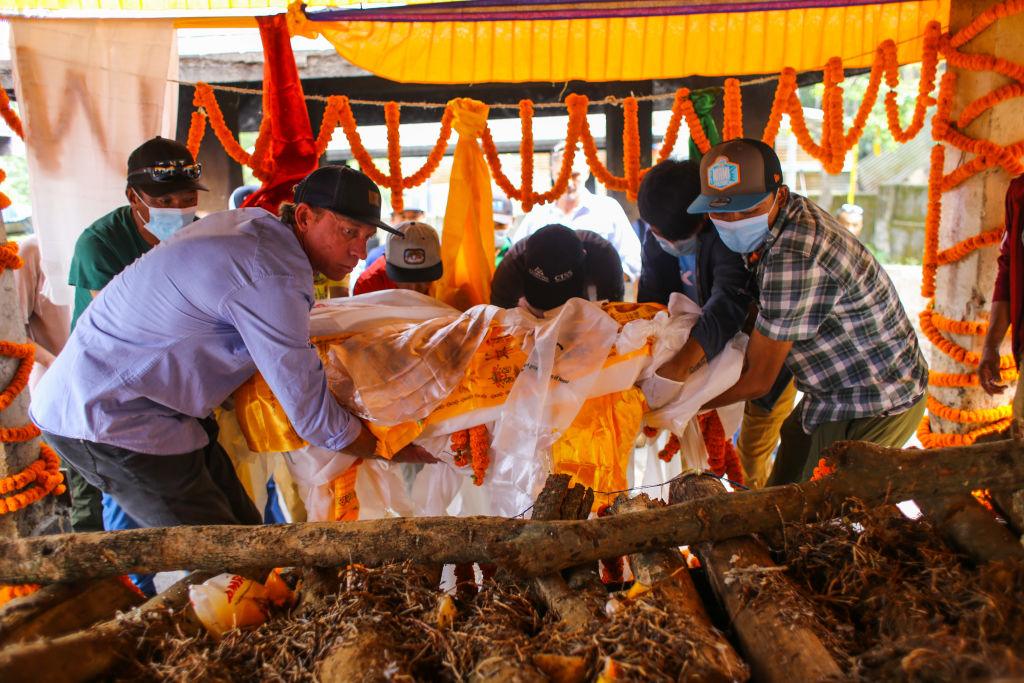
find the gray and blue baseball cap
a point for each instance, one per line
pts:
(736, 175)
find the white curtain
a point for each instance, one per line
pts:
(89, 92)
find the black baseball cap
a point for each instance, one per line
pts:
(737, 175)
(343, 190)
(160, 166)
(555, 261)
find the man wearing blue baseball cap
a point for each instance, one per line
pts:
(128, 401)
(827, 310)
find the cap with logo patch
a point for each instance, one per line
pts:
(555, 262)
(413, 254)
(343, 190)
(736, 175)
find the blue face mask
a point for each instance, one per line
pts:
(686, 247)
(745, 235)
(165, 222)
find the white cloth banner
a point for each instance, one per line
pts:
(89, 92)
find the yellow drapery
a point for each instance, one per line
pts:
(628, 48)
(467, 241)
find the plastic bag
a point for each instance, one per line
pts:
(229, 601)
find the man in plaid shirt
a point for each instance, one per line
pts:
(827, 310)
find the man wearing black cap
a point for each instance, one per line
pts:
(556, 264)
(163, 180)
(827, 310)
(127, 403)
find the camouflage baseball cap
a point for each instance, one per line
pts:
(736, 175)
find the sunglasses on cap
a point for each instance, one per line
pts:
(166, 171)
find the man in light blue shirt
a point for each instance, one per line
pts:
(127, 403)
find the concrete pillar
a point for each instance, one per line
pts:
(964, 289)
(43, 516)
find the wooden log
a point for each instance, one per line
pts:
(87, 603)
(20, 611)
(531, 548)
(573, 610)
(714, 659)
(971, 528)
(1010, 505)
(88, 654)
(778, 643)
(365, 658)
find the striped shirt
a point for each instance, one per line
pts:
(854, 351)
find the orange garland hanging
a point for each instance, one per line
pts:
(196, 131)
(471, 447)
(392, 118)
(783, 92)
(669, 450)
(207, 100)
(526, 155)
(732, 108)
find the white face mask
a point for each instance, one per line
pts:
(164, 222)
(686, 247)
(745, 235)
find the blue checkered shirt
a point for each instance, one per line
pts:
(854, 351)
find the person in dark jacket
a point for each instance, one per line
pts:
(556, 264)
(682, 254)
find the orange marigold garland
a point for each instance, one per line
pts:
(41, 478)
(631, 147)
(669, 450)
(979, 416)
(460, 447)
(732, 123)
(205, 98)
(526, 155)
(822, 469)
(783, 92)
(472, 447)
(27, 353)
(668, 142)
(697, 132)
(436, 153)
(10, 116)
(392, 114)
(479, 446)
(196, 131)
(328, 122)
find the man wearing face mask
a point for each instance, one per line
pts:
(827, 310)
(162, 193)
(683, 253)
(128, 401)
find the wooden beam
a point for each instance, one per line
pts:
(530, 548)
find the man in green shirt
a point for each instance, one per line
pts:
(162, 199)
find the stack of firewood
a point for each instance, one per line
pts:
(822, 581)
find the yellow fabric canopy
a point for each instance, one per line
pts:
(627, 48)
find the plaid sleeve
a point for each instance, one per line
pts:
(797, 295)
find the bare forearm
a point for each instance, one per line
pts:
(687, 361)
(998, 324)
(744, 390)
